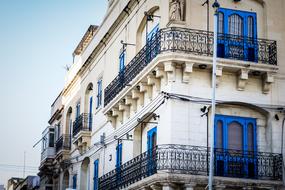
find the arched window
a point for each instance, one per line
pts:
(235, 25)
(235, 136)
(220, 22)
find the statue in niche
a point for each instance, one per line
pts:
(177, 10)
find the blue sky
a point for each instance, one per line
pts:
(37, 38)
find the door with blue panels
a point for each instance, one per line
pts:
(237, 35)
(235, 146)
(151, 150)
(96, 175)
(152, 44)
(90, 112)
(74, 181)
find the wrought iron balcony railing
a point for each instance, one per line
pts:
(63, 143)
(82, 123)
(194, 160)
(197, 42)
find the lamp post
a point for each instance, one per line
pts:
(216, 6)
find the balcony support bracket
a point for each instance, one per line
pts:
(169, 68)
(242, 79)
(187, 70)
(267, 80)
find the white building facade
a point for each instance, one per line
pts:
(135, 109)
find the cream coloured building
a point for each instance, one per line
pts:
(135, 109)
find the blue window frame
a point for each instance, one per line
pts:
(77, 110)
(96, 174)
(70, 131)
(99, 93)
(119, 155)
(122, 60)
(151, 146)
(74, 181)
(237, 34)
(236, 146)
(90, 111)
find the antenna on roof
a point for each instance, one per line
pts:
(66, 67)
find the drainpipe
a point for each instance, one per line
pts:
(282, 141)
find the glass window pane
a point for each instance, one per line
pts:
(219, 135)
(250, 26)
(221, 22)
(235, 136)
(250, 137)
(235, 25)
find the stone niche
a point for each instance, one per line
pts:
(177, 12)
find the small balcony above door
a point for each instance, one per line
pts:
(82, 127)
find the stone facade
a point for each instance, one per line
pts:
(170, 91)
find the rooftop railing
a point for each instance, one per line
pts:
(197, 42)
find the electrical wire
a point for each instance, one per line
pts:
(158, 101)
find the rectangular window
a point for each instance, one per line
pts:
(51, 140)
(96, 174)
(99, 93)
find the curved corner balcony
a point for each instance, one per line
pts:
(196, 42)
(194, 161)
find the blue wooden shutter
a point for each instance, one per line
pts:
(74, 181)
(96, 174)
(119, 155)
(90, 112)
(122, 61)
(99, 93)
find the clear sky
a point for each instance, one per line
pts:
(37, 38)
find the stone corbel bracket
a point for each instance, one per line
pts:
(267, 80)
(169, 68)
(219, 74)
(124, 108)
(242, 79)
(111, 119)
(145, 88)
(187, 70)
(136, 94)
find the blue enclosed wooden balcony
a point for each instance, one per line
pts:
(194, 42)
